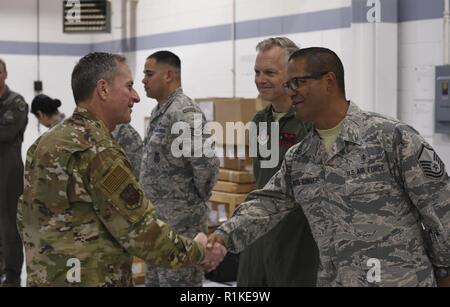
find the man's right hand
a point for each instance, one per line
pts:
(215, 252)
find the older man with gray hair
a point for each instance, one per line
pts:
(287, 255)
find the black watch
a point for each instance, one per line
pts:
(442, 272)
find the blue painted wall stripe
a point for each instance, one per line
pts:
(408, 10)
(185, 37)
(27, 48)
(411, 10)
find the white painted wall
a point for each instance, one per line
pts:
(207, 68)
(18, 23)
(256, 9)
(420, 50)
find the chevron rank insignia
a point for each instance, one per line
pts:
(430, 163)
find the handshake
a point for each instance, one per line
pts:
(215, 250)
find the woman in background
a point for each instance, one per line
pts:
(46, 110)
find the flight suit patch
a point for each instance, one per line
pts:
(263, 136)
(287, 139)
(21, 105)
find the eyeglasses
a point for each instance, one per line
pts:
(295, 82)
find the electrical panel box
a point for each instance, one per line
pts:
(442, 102)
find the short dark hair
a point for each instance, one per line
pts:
(45, 104)
(167, 57)
(91, 68)
(4, 65)
(321, 60)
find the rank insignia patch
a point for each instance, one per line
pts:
(131, 196)
(430, 163)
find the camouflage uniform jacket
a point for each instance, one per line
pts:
(130, 140)
(178, 186)
(383, 193)
(82, 201)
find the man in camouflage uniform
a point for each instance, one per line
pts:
(273, 260)
(178, 186)
(83, 214)
(13, 120)
(377, 199)
(131, 142)
(124, 134)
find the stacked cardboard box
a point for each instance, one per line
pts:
(236, 179)
(138, 270)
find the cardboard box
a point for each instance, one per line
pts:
(236, 176)
(230, 110)
(236, 164)
(234, 157)
(234, 110)
(229, 198)
(232, 187)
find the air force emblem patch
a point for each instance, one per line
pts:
(430, 163)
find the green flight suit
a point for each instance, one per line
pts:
(13, 120)
(288, 254)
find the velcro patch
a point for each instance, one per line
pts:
(21, 104)
(131, 196)
(189, 109)
(430, 163)
(115, 179)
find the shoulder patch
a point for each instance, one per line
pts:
(21, 105)
(131, 196)
(430, 163)
(115, 179)
(189, 109)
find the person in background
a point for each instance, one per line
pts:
(178, 185)
(13, 121)
(46, 110)
(131, 142)
(287, 255)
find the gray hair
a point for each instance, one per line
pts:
(282, 42)
(91, 68)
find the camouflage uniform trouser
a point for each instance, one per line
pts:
(191, 276)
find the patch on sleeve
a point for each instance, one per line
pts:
(131, 196)
(430, 163)
(189, 109)
(21, 105)
(115, 179)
